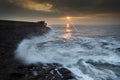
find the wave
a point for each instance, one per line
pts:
(87, 58)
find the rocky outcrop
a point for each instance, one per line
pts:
(40, 72)
(12, 32)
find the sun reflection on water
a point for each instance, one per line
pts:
(68, 31)
(67, 25)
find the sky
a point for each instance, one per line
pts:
(56, 11)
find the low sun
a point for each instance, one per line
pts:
(68, 18)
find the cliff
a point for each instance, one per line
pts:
(11, 33)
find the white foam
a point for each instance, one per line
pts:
(52, 48)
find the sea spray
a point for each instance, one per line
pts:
(73, 53)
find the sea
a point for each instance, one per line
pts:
(90, 52)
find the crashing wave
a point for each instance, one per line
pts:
(87, 58)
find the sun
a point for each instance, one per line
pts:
(68, 18)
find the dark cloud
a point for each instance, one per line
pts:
(60, 8)
(77, 7)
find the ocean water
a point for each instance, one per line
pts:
(90, 52)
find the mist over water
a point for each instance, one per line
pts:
(82, 50)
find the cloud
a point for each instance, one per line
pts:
(80, 7)
(58, 8)
(32, 5)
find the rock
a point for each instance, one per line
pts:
(16, 76)
(12, 32)
(118, 49)
(66, 73)
(103, 44)
(41, 72)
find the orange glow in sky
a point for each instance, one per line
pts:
(68, 18)
(33, 5)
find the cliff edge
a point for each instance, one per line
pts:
(11, 33)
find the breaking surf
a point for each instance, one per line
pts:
(88, 58)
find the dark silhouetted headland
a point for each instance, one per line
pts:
(11, 33)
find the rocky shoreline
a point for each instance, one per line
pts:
(12, 32)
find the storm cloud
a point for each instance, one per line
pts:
(77, 7)
(58, 8)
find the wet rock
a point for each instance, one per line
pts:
(102, 44)
(118, 49)
(65, 73)
(41, 72)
